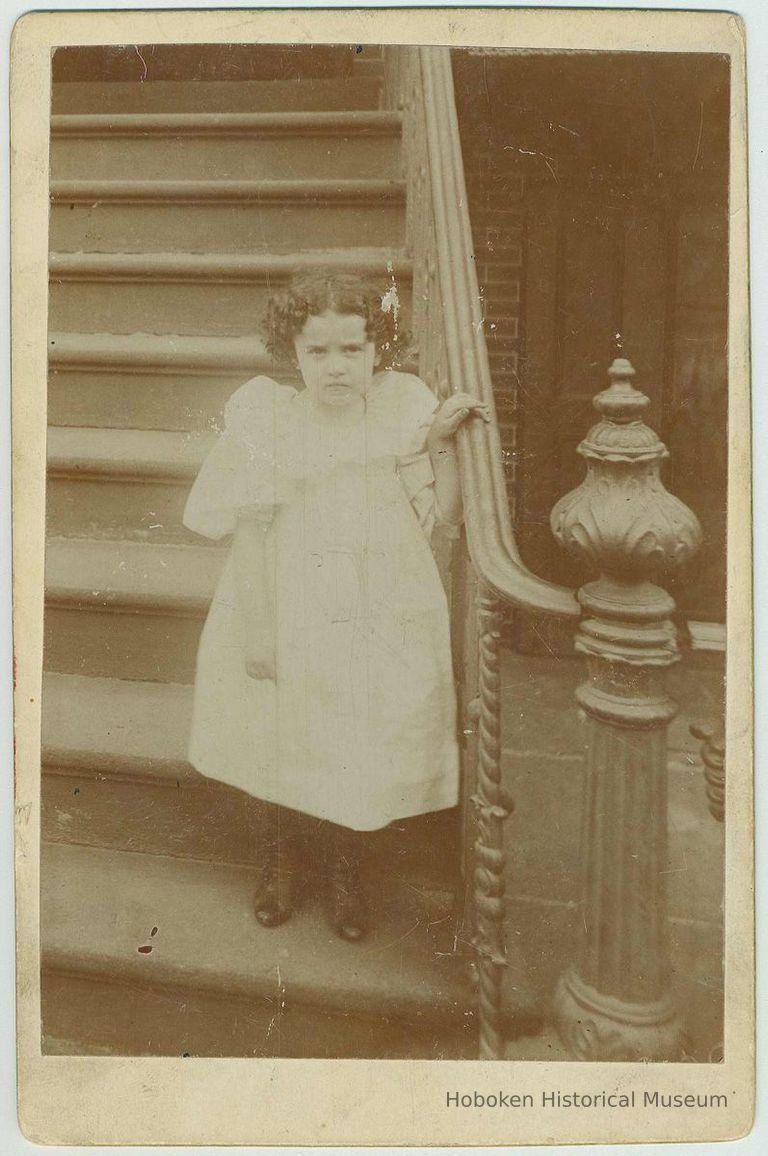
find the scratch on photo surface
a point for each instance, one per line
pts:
(143, 61)
(542, 639)
(393, 942)
(701, 130)
(437, 922)
(534, 153)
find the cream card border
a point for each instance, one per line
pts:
(100, 1100)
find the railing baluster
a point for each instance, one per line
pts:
(492, 809)
(615, 1003)
(712, 737)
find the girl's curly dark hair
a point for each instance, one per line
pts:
(314, 293)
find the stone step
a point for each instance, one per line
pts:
(116, 728)
(161, 96)
(197, 295)
(123, 609)
(227, 146)
(224, 216)
(131, 575)
(168, 959)
(122, 483)
(146, 381)
(116, 775)
(197, 818)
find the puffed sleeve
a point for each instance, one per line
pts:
(417, 408)
(241, 475)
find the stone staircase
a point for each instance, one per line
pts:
(175, 208)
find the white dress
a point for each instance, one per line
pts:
(359, 726)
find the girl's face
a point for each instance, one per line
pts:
(336, 357)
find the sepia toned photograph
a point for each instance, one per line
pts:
(383, 699)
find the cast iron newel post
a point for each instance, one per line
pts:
(615, 1003)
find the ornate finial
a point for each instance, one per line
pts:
(621, 402)
(621, 517)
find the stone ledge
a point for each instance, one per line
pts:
(361, 122)
(224, 192)
(142, 353)
(210, 268)
(126, 454)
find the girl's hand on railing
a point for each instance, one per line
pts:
(455, 410)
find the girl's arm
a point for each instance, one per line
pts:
(255, 590)
(442, 451)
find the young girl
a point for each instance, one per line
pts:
(324, 681)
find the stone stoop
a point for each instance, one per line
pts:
(128, 824)
(154, 317)
(177, 207)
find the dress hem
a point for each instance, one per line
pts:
(440, 799)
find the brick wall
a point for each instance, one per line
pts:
(598, 198)
(495, 185)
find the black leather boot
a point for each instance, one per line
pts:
(347, 907)
(273, 900)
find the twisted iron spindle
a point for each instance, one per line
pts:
(712, 740)
(492, 808)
